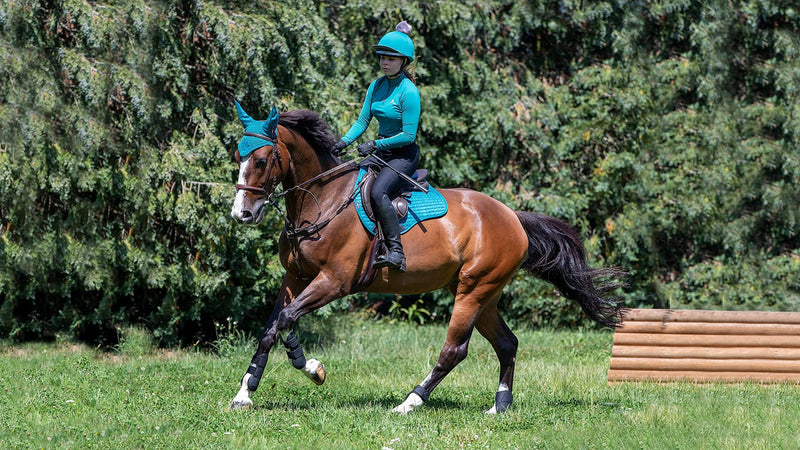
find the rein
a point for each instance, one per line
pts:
(293, 231)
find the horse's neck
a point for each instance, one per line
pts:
(305, 164)
(311, 197)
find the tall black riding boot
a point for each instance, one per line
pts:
(394, 257)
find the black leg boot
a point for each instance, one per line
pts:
(394, 257)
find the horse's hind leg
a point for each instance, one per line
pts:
(454, 351)
(476, 295)
(494, 329)
(472, 300)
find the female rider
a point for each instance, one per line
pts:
(394, 100)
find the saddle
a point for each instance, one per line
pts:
(400, 201)
(414, 206)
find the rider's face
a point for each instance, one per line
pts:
(391, 65)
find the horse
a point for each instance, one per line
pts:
(473, 250)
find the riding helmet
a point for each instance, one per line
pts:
(397, 43)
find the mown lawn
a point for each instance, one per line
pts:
(65, 395)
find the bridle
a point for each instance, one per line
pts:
(272, 197)
(293, 232)
(275, 157)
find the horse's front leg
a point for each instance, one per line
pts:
(312, 368)
(252, 377)
(288, 309)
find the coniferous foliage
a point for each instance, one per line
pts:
(666, 132)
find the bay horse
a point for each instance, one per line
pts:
(474, 250)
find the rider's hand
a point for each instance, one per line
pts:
(338, 147)
(367, 148)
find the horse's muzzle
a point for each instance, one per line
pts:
(247, 211)
(247, 216)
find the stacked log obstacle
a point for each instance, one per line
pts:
(707, 346)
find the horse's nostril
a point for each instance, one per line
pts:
(243, 216)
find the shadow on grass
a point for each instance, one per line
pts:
(367, 401)
(567, 402)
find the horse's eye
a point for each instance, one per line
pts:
(261, 163)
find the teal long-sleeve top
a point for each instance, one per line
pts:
(396, 105)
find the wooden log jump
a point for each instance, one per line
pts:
(707, 346)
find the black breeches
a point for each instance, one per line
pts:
(388, 183)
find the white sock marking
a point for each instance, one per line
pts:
(413, 401)
(242, 399)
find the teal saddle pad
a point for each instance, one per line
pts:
(421, 206)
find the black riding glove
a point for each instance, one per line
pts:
(338, 147)
(367, 148)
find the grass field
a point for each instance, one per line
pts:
(64, 395)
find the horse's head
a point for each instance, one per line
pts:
(262, 166)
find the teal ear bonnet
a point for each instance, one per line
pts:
(267, 128)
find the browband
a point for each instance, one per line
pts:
(260, 136)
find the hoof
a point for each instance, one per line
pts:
(315, 371)
(239, 405)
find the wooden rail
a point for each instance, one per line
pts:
(707, 346)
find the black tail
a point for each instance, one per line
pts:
(556, 254)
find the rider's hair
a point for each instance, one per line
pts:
(409, 72)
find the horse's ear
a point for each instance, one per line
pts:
(271, 124)
(243, 116)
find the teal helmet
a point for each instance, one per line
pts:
(397, 43)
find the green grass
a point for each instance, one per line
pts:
(65, 395)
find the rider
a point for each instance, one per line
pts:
(394, 100)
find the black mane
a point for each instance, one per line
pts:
(311, 127)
